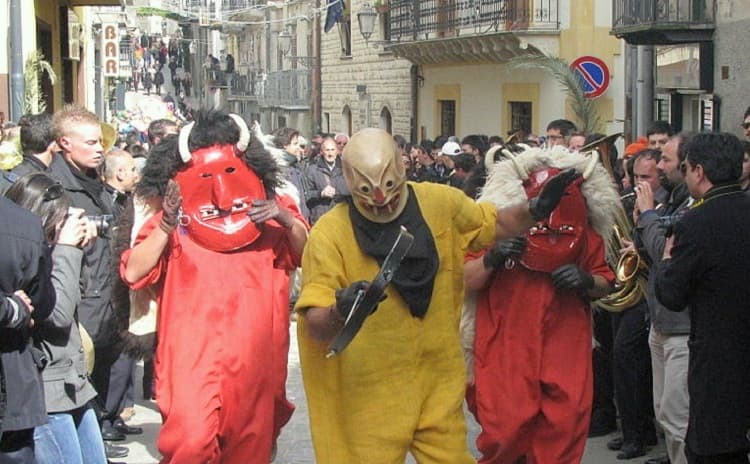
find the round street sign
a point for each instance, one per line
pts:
(594, 74)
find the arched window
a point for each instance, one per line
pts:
(386, 122)
(346, 114)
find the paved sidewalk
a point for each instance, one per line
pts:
(295, 445)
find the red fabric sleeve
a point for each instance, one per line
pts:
(592, 259)
(285, 259)
(155, 274)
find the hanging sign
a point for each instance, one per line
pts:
(110, 50)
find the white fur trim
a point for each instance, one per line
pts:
(143, 306)
(268, 144)
(288, 189)
(468, 330)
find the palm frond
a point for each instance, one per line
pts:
(35, 67)
(587, 117)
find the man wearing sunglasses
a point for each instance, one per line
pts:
(704, 268)
(746, 123)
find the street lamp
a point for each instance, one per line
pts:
(284, 42)
(284, 45)
(366, 19)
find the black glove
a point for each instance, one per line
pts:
(345, 297)
(502, 250)
(542, 205)
(572, 277)
(171, 203)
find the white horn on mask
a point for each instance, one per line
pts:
(522, 172)
(183, 143)
(489, 157)
(591, 165)
(244, 140)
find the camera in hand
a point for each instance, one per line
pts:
(103, 222)
(666, 223)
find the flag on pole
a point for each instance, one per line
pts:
(334, 11)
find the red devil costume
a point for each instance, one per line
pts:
(532, 350)
(223, 303)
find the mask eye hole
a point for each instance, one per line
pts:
(229, 170)
(389, 184)
(365, 189)
(206, 175)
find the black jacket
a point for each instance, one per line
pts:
(28, 165)
(25, 265)
(95, 310)
(318, 176)
(708, 273)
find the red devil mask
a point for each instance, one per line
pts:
(556, 240)
(218, 188)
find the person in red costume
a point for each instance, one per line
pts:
(532, 371)
(220, 248)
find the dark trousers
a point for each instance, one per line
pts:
(148, 378)
(604, 388)
(104, 358)
(736, 457)
(632, 374)
(120, 378)
(17, 447)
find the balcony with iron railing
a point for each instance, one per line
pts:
(412, 20)
(644, 22)
(289, 88)
(444, 31)
(216, 10)
(245, 87)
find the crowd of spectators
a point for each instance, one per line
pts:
(673, 364)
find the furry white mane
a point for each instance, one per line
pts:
(286, 188)
(268, 143)
(504, 186)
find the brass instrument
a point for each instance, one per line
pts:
(630, 270)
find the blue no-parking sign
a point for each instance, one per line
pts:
(594, 74)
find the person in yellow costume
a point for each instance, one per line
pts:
(398, 387)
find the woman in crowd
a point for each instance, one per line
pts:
(71, 436)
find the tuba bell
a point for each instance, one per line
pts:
(630, 270)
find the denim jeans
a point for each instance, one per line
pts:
(70, 438)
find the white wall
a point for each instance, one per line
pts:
(481, 105)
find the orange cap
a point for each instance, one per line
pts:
(635, 147)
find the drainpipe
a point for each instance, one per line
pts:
(645, 89)
(17, 89)
(414, 119)
(316, 91)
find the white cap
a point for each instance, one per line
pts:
(451, 149)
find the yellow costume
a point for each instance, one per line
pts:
(399, 386)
